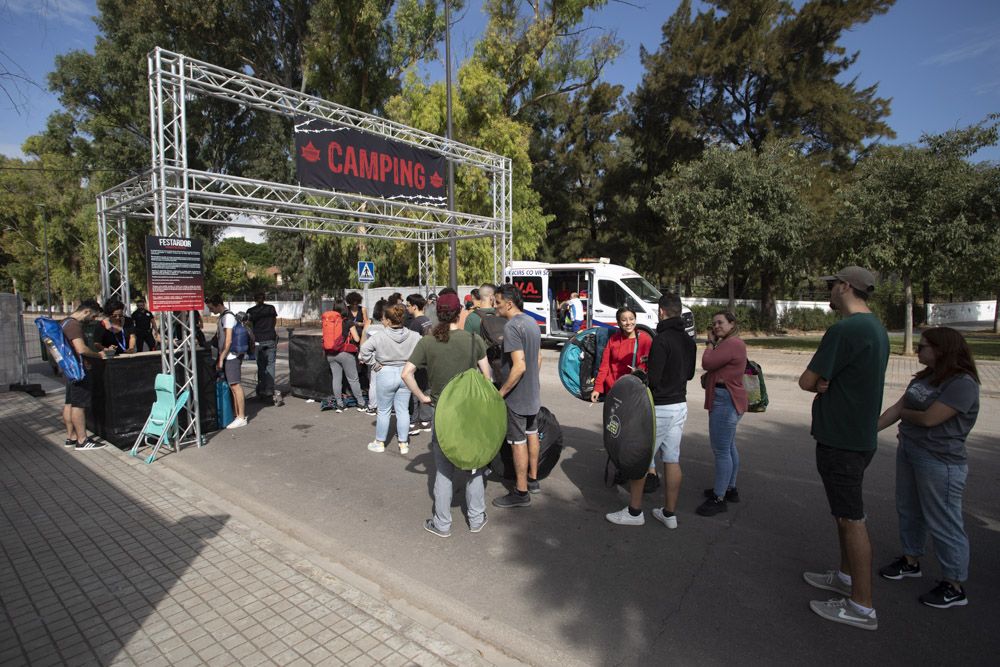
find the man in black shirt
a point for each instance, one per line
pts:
(263, 317)
(145, 327)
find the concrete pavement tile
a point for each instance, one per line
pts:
(362, 661)
(379, 652)
(394, 660)
(212, 651)
(255, 659)
(366, 643)
(349, 653)
(304, 646)
(275, 649)
(201, 643)
(189, 661)
(336, 645)
(354, 635)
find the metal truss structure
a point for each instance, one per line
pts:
(174, 197)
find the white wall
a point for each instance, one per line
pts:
(968, 311)
(782, 306)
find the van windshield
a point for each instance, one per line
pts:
(642, 289)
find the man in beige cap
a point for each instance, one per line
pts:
(847, 374)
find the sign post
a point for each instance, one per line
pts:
(175, 277)
(366, 276)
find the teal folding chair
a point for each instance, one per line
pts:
(162, 421)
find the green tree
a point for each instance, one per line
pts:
(573, 151)
(736, 210)
(917, 211)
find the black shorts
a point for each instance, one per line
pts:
(519, 427)
(842, 472)
(78, 394)
(233, 369)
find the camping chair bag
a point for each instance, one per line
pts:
(630, 426)
(550, 438)
(580, 360)
(469, 395)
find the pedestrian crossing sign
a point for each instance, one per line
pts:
(366, 272)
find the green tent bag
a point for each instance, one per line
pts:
(470, 420)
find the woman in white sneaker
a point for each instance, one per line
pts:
(386, 354)
(935, 414)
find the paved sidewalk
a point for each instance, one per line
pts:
(107, 561)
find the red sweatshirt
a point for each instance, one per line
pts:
(617, 359)
(726, 364)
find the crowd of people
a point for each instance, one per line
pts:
(405, 359)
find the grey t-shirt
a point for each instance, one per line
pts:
(522, 333)
(946, 441)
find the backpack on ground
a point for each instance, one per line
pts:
(333, 332)
(59, 348)
(241, 336)
(550, 441)
(753, 383)
(580, 360)
(491, 327)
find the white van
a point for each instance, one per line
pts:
(603, 287)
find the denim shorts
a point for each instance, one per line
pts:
(669, 428)
(842, 472)
(233, 368)
(519, 427)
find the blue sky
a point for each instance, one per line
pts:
(938, 61)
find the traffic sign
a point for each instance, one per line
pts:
(366, 272)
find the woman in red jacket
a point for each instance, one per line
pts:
(725, 361)
(626, 351)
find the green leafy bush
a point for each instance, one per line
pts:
(807, 319)
(749, 318)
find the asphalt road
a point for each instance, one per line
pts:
(558, 583)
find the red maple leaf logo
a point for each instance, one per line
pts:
(310, 153)
(436, 180)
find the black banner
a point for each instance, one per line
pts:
(175, 278)
(347, 160)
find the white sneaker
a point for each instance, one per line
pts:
(623, 518)
(668, 521)
(376, 446)
(404, 448)
(239, 422)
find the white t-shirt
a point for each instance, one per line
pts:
(576, 311)
(227, 321)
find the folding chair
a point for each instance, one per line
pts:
(162, 421)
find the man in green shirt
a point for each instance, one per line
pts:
(445, 353)
(847, 374)
(485, 306)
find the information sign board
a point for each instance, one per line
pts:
(175, 276)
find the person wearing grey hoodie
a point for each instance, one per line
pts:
(386, 354)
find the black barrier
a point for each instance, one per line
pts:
(308, 370)
(123, 393)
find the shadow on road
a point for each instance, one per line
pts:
(85, 565)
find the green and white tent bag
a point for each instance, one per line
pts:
(470, 420)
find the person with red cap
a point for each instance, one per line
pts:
(444, 354)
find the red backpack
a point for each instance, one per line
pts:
(333, 332)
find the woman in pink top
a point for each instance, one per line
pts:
(725, 360)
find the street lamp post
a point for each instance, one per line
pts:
(45, 240)
(452, 244)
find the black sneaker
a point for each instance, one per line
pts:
(711, 507)
(512, 500)
(732, 495)
(899, 569)
(652, 483)
(945, 595)
(534, 486)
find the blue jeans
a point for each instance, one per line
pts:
(929, 499)
(722, 421)
(267, 352)
(475, 490)
(391, 391)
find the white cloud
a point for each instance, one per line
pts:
(970, 49)
(75, 13)
(987, 88)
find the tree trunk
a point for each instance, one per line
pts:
(927, 299)
(996, 314)
(768, 308)
(732, 293)
(908, 320)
